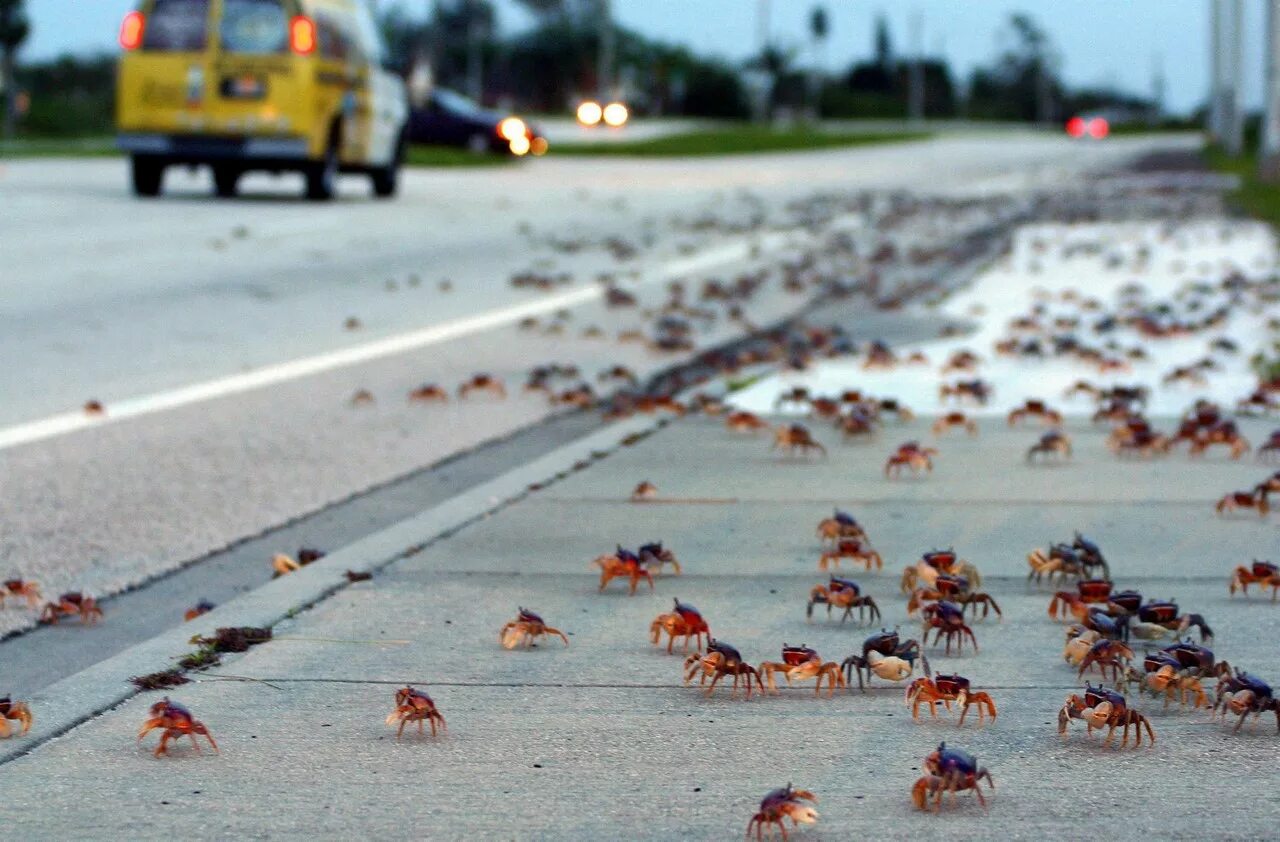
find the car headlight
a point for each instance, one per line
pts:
(616, 114)
(520, 145)
(589, 113)
(512, 128)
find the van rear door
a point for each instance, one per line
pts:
(164, 80)
(259, 73)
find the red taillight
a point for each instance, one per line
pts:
(1075, 127)
(302, 35)
(1099, 128)
(131, 30)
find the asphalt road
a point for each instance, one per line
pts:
(142, 305)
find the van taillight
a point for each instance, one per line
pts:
(302, 35)
(131, 30)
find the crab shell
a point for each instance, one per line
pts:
(888, 667)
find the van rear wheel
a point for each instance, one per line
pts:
(226, 180)
(386, 180)
(322, 177)
(147, 175)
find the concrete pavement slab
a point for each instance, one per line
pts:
(600, 739)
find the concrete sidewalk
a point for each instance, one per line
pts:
(601, 740)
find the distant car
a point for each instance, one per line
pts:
(448, 118)
(273, 85)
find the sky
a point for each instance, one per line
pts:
(1111, 42)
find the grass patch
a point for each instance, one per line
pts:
(448, 156)
(82, 147)
(1254, 196)
(741, 140)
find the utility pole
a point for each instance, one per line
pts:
(915, 71)
(1232, 111)
(475, 54)
(1269, 153)
(763, 89)
(604, 58)
(1214, 113)
(1157, 90)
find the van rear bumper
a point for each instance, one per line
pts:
(204, 148)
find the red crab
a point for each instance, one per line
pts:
(720, 660)
(910, 455)
(954, 420)
(524, 629)
(793, 437)
(949, 770)
(947, 689)
(684, 621)
(1033, 408)
(745, 422)
(1253, 499)
(855, 550)
(1088, 592)
(842, 593)
(947, 619)
(623, 563)
(1224, 433)
(1262, 573)
(1104, 708)
(16, 711)
(955, 589)
(428, 393)
(72, 604)
(21, 589)
(802, 663)
(414, 705)
(482, 382)
(176, 721)
(780, 804)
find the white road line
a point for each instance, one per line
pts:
(69, 422)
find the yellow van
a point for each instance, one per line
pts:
(275, 85)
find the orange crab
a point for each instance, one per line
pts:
(21, 589)
(954, 420)
(840, 525)
(72, 604)
(176, 721)
(623, 563)
(947, 689)
(524, 629)
(413, 705)
(802, 663)
(684, 621)
(18, 712)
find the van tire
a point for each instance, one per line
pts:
(147, 175)
(322, 176)
(226, 180)
(386, 180)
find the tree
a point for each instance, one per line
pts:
(14, 29)
(1023, 84)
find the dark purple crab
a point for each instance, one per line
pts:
(1090, 556)
(1244, 694)
(655, 555)
(780, 804)
(886, 655)
(1159, 616)
(947, 619)
(949, 770)
(720, 660)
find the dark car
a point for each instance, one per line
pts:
(450, 119)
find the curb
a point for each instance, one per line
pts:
(62, 706)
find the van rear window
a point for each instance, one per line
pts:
(254, 26)
(177, 26)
